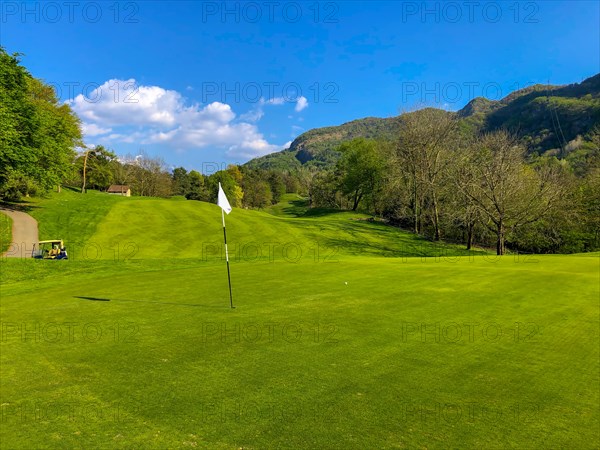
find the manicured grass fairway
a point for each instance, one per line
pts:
(99, 226)
(305, 360)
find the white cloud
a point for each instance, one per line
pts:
(91, 129)
(122, 101)
(274, 101)
(254, 115)
(153, 115)
(301, 104)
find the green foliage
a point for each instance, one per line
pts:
(284, 160)
(17, 184)
(235, 173)
(257, 193)
(548, 117)
(37, 134)
(196, 187)
(237, 197)
(324, 190)
(590, 204)
(181, 181)
(227, 183)
(361, 166)
(100, 167)
(276, 185)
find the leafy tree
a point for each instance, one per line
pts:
(235, 173)
(56, 135)
(181, 181)
(276, 184)
(361, 168)
(238, 197)
(590, 192)
(257, 194)
(227, 182)
(292, 182)
(37, 134)
(323, 192)
(196, 187)
(16, 126)
(97, 167)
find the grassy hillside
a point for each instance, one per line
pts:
(96, 225)
(291, 205)
(70, 215)
(357, 349)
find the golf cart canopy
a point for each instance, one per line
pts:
(51, 249)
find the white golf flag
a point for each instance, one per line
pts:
(222, 201)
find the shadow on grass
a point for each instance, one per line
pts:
(99, 299)
(72, 189)
(321, 212)
(297, 208)
(376, 238)
(94, 299)
(21, 205)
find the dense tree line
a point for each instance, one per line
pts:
(446, 184)
(37, 133)
(245, 187)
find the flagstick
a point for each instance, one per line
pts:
(227, 258)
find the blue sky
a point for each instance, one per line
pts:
(205, 83)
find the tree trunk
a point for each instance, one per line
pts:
(84, 169)
(416, 209)
(357, 199)
(470, 228)
(436, 218)
(500, 241)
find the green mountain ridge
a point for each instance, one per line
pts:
(546, 117)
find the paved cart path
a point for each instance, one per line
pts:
(24, 234)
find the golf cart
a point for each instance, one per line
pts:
(53, 249)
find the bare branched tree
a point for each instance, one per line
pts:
(507, 192)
